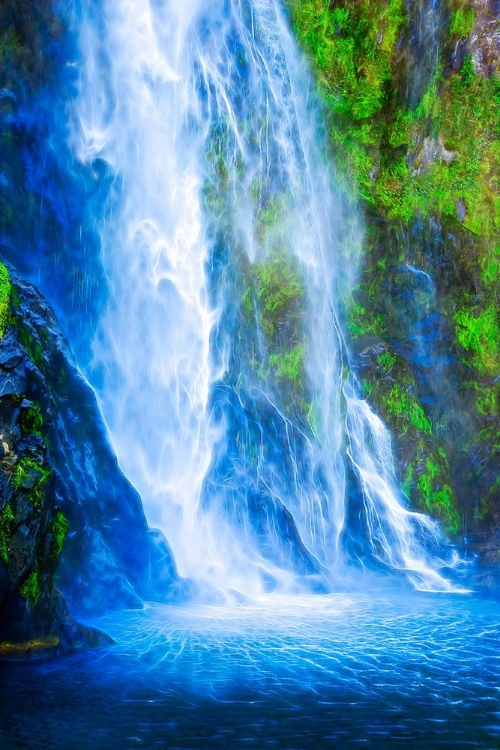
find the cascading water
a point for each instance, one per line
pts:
(426, 23)
(229, 252)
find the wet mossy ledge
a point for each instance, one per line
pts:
(413, 111)
(72, 529)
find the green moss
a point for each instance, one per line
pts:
(407, 482)
(31, 420)
(274, 296)
(427, 483)
(15, 298)
(218, 144)
(467, 74)
(6, 527)
(360, 322)
(33, 348)
(31, 477)
(248, 301)
(462, 22)
(352, 46)
(59, 529)
(478, 332)
(490, 271)
(269, 225)
(418, 418)
(467, 121)
(438, 498)
(386, 361)
(366, 387)
(5, 294)
(487, 403)
(426, 479)
(279, 289)
(289, 364)
(403, 406)
(31, 587)
(353, 49)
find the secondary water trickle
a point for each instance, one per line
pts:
(229, 251)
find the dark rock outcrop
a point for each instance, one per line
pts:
(69, 519)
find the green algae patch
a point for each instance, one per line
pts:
(28, 648)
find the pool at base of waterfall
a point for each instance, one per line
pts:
(309, 672)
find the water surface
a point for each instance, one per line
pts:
(313, 672)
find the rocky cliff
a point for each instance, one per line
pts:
(69, 520)
(412, 95)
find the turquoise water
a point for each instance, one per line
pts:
(314, 672)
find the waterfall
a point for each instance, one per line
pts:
(229, 249)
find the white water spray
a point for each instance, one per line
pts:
(206, 116)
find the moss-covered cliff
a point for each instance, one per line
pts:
(69, 519)
(33, 616)
(412, 95)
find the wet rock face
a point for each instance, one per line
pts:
(485, 37)
(429, 151)
(68, 516)
(423, 321)
(28, 515)
(426, 19)
(431, 370)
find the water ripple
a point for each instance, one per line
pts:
(333, 671)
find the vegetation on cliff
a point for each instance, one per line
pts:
(412, 101)
(32, 529)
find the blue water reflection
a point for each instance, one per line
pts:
(314, 672)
